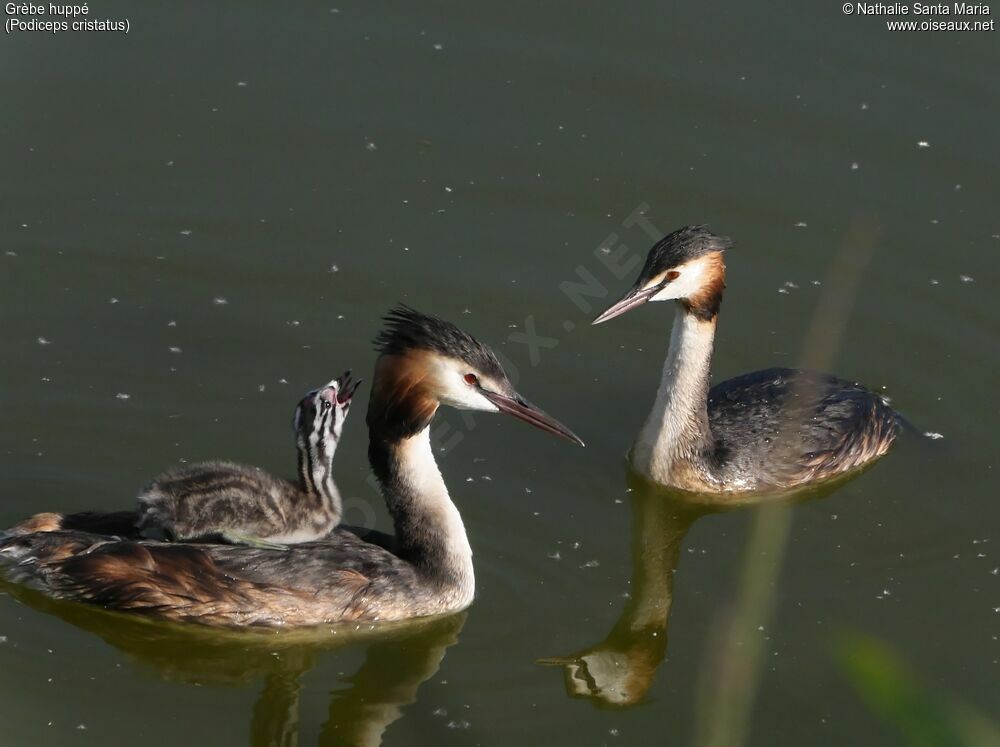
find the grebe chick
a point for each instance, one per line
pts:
(424, 362)
(769, 430)
(245, 505)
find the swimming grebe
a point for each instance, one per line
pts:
(769, 430)
(424, 362)
(245, 505)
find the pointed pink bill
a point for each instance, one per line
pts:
(522, 410)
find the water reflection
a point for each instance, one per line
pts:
(398, 659)
(619, 670)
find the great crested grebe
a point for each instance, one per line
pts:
(769, 430)
(424, 362)
(245, 505)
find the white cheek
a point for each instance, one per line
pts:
(686, 284)
(466, 397)
(457, 392)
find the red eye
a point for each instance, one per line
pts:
(673, 275)
(471, 379)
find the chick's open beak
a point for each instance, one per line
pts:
(346, 387)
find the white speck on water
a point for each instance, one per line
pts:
(864, 106)
(334, 268)
(261, 387)
(801, 224)
(169, 163)
(440, 712)
(370, 146)
(790, 284)
(242, 84)
(576, 545)
(81, 727)
(219, 301)
(613, 732)
(3, 639)
(44, 341)
(590, 564)
(123, 396)
(334, 10)
(186, 232)
(554, 555)
(175, 350)
(935, 282)
(816, 282)
(459, 724)
(112, 300)
(783, 290)
(438, 47)
(923, 144)
(294, 323)
(967, 278)
(171, 323)
(855, 166)
(933, 436)
(994, 572)
(282, 381)
(10, 253)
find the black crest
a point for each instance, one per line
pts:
(407, 329)
(681, 246)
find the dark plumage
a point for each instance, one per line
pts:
(340, 578)
(683, 245)
(407, 329)
(784, 427)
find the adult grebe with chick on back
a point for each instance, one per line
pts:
(423, 362)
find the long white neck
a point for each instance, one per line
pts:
(429, 529)
(677, 426)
